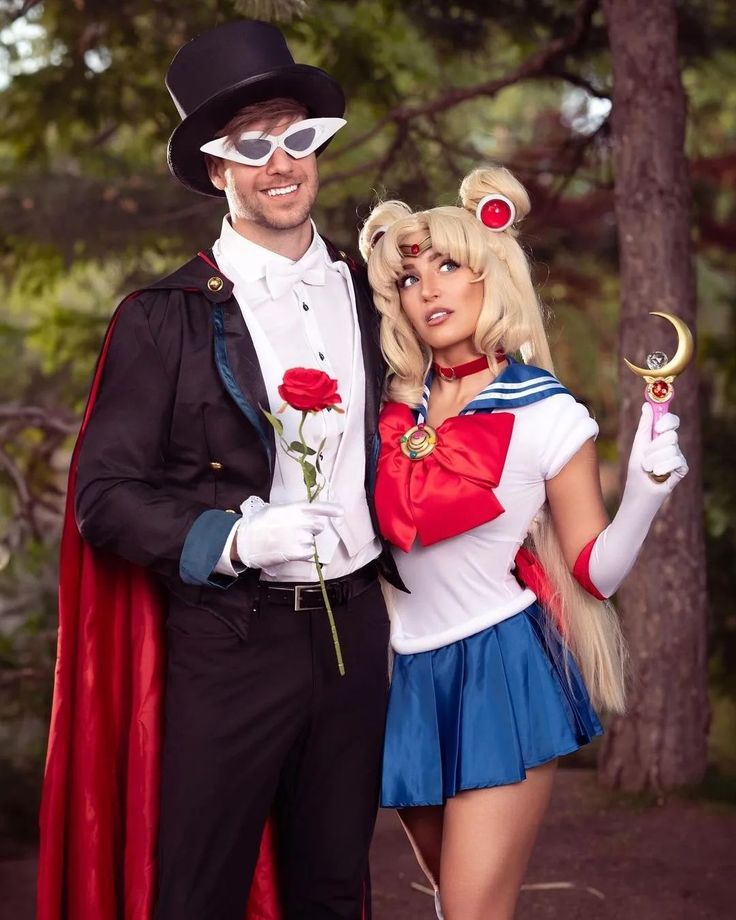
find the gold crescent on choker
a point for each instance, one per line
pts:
(682, 356)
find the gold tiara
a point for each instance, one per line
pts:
(414, 249)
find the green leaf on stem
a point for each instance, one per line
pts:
(310, 475)
(300, 448)
(277, 424)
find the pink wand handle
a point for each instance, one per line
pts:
(658, 408)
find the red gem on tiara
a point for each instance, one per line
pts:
(496, 214)
(415, 249)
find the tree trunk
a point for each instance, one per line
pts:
(661, 743)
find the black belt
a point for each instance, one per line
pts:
(309, 597)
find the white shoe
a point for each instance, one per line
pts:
(437, 905)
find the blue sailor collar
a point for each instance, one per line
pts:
(517, 385)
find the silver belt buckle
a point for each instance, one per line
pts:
(298, 598)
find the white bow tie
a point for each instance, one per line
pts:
(281, 278)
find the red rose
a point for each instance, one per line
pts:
(309, 390)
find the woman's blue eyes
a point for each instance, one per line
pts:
(410, 280)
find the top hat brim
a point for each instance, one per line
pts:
(315, 89)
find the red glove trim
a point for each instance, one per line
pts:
(581, 571)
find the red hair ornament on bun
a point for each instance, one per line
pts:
(497, 212)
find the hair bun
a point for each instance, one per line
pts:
(494, 180)
(381, 217)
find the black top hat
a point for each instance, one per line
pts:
(220, 71)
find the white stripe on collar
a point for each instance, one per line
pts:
(520, 385)
(517, 385)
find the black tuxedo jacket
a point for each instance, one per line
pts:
(176, 439)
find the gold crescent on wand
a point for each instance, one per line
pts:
(682, 357)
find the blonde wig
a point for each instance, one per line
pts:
(511, 319)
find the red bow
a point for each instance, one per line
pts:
(446, 492)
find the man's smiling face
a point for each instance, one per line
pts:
(276, 196)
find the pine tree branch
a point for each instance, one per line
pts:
(35, 416)
(543, 63)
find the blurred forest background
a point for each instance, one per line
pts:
(88, 212)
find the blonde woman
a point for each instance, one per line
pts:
(500, 664)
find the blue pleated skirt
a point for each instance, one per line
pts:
(482, 711)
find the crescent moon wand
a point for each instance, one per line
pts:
(660, 373)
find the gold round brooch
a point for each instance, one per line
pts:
(418, 442)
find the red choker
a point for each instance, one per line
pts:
(463, 370)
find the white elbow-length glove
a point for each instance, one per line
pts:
(269, 535)
(615, 550)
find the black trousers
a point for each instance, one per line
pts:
(268, 726)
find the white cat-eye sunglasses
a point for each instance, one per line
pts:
(254, 148)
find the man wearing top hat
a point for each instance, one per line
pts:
(178, 472)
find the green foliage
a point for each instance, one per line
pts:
(27, 654)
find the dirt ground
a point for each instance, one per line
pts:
(597, 858)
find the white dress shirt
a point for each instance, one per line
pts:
(303, 314)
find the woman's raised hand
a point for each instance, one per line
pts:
(657, 454)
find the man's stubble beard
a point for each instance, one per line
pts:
(250, 207)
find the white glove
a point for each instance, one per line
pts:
(617, 547)
(659, 454)
(273, 534)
